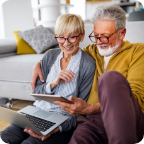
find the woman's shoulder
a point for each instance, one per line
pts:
(86, 58)
(51, 53)
(87, 64)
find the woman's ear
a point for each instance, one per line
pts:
(82, 37)
(122, 34)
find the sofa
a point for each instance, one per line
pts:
(16, 70)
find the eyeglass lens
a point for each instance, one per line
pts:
(70, 39)
(102, 39)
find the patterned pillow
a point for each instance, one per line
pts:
(39, 38)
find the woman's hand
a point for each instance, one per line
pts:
(30, 132)
(64, 75)
(35, 74)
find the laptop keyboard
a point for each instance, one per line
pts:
(41, 124)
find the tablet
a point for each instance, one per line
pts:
(51, 98)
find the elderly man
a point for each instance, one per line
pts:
(114, 111)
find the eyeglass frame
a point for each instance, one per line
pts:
(66, 39)
(104, 36)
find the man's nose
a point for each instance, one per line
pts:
(98, 42)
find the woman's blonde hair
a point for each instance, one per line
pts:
(69, 23)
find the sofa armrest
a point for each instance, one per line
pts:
(8, 45)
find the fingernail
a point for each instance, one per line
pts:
(42, 80)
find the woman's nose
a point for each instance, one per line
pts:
(66, 42)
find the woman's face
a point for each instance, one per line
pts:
(71, 48)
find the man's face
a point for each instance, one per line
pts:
(104, 28)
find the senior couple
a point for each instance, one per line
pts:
(108, 74)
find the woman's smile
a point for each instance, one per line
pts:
(68, 48)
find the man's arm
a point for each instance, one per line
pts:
(135, 75)
(79, 107)
(37, 72)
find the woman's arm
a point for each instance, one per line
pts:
(30, 132)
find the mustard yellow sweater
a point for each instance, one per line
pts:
(129, 61)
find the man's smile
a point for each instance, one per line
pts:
(103, 46)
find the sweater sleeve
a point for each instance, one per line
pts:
(46, 64)
(86, 77)
(69, 123)
(86, 73)
(135, 75)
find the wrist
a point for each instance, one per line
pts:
(93, 108)
(52, 84)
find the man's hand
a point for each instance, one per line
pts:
(79, 106)
(64, 75)
(30, 132)
(35, 74)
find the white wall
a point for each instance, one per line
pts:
(2, 34)
(79, 7)
(17, 15)
(90, 8)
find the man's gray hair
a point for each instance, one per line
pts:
(111, 12)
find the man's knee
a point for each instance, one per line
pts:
(110, 83)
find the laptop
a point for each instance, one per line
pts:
(39, 121)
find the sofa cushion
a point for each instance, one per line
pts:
(22, 46)
(7, 45)
(18, 68)
(39, 38)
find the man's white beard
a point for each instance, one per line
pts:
(109, 51)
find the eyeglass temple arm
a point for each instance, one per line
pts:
(91, 33)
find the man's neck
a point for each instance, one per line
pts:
(119, 48)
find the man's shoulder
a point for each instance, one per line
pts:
(90, 47)
(138, 44)
(133, 47)
(138, 47)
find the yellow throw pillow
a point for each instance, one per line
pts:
(22, 46)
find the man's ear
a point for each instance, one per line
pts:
(122, 33)
(82, 37)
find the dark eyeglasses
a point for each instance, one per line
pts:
(71, 39)
(104, 40)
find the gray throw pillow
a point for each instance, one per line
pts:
(39, 38)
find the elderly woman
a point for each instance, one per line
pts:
(67, 71)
